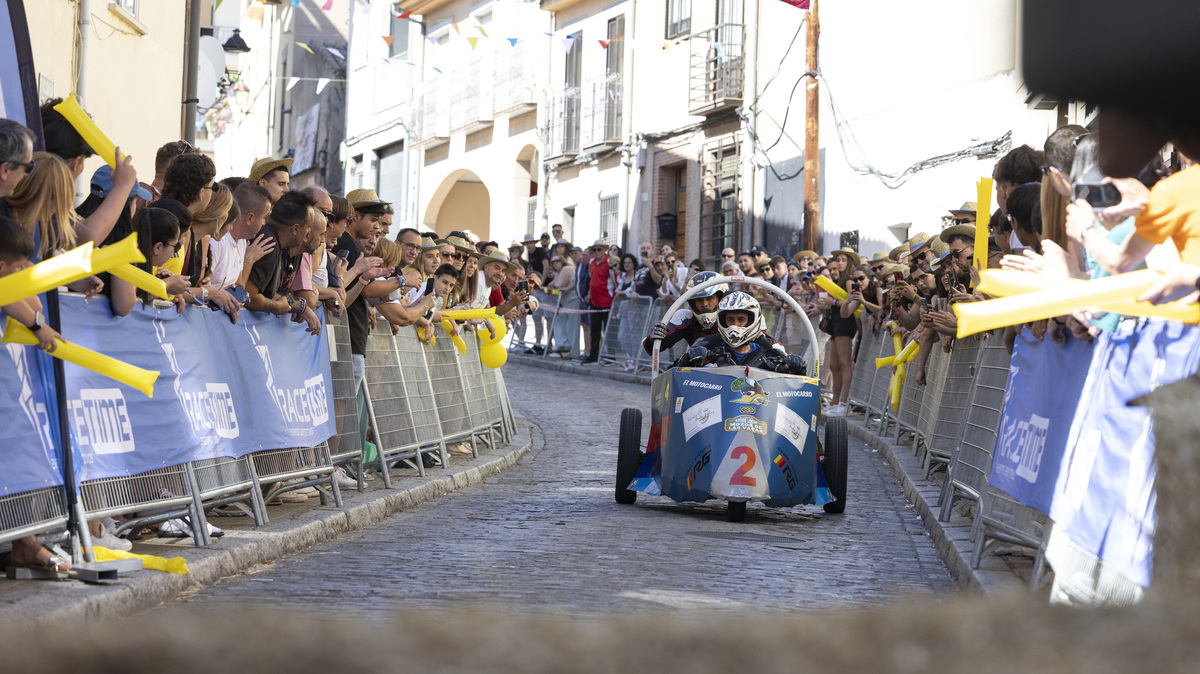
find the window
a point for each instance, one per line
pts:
(609, 219)
(530, 216)
(130, 6)
(399, 34)
(720, 203)
(679, 18)
(568, 223)
(391, 178)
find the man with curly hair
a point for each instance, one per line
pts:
(189, 180)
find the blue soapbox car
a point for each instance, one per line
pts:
(737, 434)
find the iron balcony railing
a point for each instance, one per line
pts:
(602, 111)
(469, 98)
(515, 73)
(562, 123)
(718, 68)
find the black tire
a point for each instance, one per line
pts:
(737, 511)
(835, 462)
(629, 454)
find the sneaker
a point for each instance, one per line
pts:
(177, 528)
(838, 410)
(112, 542)
(288, 497)
(538, 349)
(343, 479)
(460, 448)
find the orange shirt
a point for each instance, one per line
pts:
(1173, 212)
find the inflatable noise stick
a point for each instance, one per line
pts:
(467, 314)
(66, 268)
(74, 114)
(142, 380)
(905, 355)
(974, 317)
(884, 362)
(459, 344)
(491, 353)
(1006, 282)
(144, 280)
(833, 289)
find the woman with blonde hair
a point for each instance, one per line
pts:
(44, 204)
(422, 268)
(466, 288)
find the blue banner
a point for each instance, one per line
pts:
(30, 457)
(1104, 496)
(224, 389)
(733, 433)
(1044, 386)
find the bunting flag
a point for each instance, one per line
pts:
(438, 70)
(720, 51)
(321, 82)
(292, 82)
(481, 30)
(217, 4)
(567, 44)
(573, 36)
(304, 47)
(336, 53)
(802, 4)
(512, 41)
(455, 27)
(406, 14)
(326, 7)
(432, 40)
(473, 41)
(603, 43)
(295, 3)
(388, 39)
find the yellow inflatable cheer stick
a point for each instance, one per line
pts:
(976, 317)
(421, 336)
(172, 565)
(909, 352)
(144, 280)
(74, 114)
(57, 271)
(142, 380)
(467, 314)
(459, 344)
(833, 289)
(983, 214)
(1006, 283)
(491, 352)
(894, 387)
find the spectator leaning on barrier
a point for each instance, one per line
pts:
(272, 175)
(288, 224)
(233, 254)
(167, 152)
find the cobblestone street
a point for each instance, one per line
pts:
(547, 536)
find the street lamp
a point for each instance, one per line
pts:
(235, 50)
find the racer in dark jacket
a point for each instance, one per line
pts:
(740, 341)
(690, 324)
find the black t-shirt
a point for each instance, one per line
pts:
(267, 273)
(356, 313)
(537, 260)
(643, 282)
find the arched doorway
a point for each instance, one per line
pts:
(461, 202)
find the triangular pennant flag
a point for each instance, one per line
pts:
(481, 30)
(326, 7)
(304, 47)
(291, 83)
(406, 15)
(550, 34)
(439, 70)
(336, 53)
(473, 41)
(388, 39)
(575, 37)
(322, 81)
(455, 27)
(603, 43)
(567, 44)
(512, 41)
(295, 3)
(432, 40)
(720, 51)
(217, 4)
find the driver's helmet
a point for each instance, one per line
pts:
(706, 320)
(738, 336)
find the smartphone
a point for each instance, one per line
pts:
(1098, 195)
(239, 294)
(428, 287)
(645, 254)
(523, 286)
(854, 287)
(899, 276)
(343, 253)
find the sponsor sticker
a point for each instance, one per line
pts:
(791, 426)
(701, 415)
(745, 422)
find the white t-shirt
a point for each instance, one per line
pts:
(228, 258)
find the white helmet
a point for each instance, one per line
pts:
(706, 320)
(738, 336)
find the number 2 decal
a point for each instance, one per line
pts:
(749, 458)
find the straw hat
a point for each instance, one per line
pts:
(938, 247)
(917, 242)
(957, 230)
(485, 260)
(460, 244)
(964, 211)
(941, 260)
(893, 268)
(516, 244)
(427, 242)
(264, 166)
(805, 253)
(364, 197)
(895, 253)
(855, 259)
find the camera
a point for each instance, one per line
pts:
(1098, 195)
(854, 286)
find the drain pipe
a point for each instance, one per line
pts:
(193, 72)
(85, 40)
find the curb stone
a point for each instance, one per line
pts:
(44, 603)
(951, 539)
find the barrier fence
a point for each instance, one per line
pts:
(416, 398)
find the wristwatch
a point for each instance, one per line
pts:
(37, 324)
(204, 294)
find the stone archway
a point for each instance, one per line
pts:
(460, 202)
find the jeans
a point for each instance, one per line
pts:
(599, 320)
(360, 393)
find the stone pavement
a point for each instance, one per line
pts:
(547, 536)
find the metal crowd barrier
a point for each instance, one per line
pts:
(32, 512)
(629, 321)
(345, 448)
(547, 307)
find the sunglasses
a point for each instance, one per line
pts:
(215, 187)
(328, 216)
(456, 256)
(922, 256)
(876, 270)
(28, 165)
(860, 279)
(962, 221)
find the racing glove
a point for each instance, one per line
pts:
(659, 331)
(697, 355)
(793, 364)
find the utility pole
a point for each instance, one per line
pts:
(193, 72)
(812, 151)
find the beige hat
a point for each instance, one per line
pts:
(967, 209)
(485, 260)
(264, 166)
(938, 247)
(879, 257)
(364, 197)
(855, 258)
(919, 239)
(957, 230)
(805, 253)
(428, 242)
(460, 244)
(896, 252)
(893, 268)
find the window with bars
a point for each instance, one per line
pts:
(720, 203)
(609, 218)
(399, 33)
(530, 215)
(679, 18)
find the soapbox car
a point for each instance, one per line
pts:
(738, 434)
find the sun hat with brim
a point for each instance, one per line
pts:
(957, 230)
(364, 197)
(805, 253)
(917, 241)
(102, 184)
(896, 252)
(529, 238)
(516, 244)
(855, 258)
(938, 247)
(941, 260)
(485, 260)
(428, 242)
(460, 244)
(879, 257)
(762, 265)
(893, 268)
(264, 166)
(599, 244)
(968, 208)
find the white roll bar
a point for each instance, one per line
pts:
(679, 303)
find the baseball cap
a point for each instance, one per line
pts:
(102, 184)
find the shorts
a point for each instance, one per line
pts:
(585, 319)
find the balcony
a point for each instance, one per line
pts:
(602, 105)
(470, 99)
(434, 123)
(562, 126)
(514, 72)
(718, 69)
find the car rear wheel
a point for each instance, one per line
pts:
(835, 462)
(629, 454)
(737, 511)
